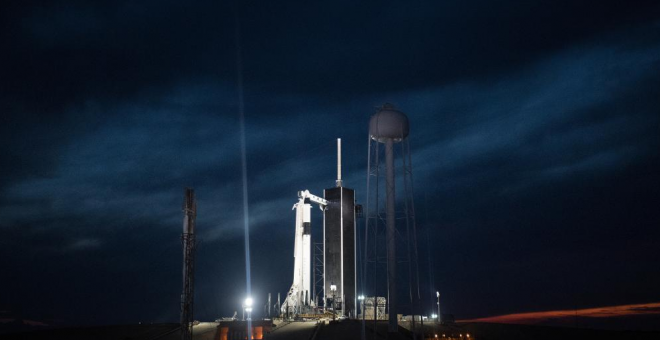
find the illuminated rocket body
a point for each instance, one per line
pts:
(300, 293)
(301, 269)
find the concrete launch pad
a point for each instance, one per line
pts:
(348, 329)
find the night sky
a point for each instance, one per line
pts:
(535, 138)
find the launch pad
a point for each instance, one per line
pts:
(387, 228)
(339, 252)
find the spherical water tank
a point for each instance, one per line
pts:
(388, 123)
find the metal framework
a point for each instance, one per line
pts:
(318, 272)
(188, 242)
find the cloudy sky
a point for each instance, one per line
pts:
(535, 138)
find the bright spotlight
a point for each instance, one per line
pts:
(361, 297)
(248, 302)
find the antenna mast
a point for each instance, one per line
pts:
(188, 241)
(339, 182)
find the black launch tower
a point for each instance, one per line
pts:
(339, 244)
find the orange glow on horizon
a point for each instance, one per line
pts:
(598, 312)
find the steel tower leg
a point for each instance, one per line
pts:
(390, 219)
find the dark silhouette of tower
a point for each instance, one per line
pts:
(339, 253)
(388, 224)
(188, 241)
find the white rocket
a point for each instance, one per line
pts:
(300, 293)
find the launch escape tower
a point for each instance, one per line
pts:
(188, 241)
(386, 224)
(339, 251)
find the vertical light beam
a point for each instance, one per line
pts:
(241, 112)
